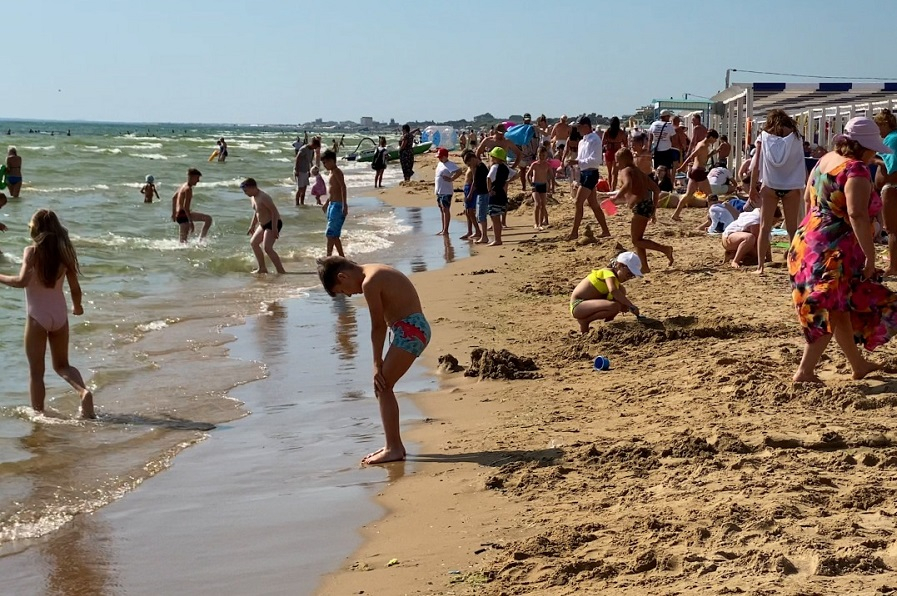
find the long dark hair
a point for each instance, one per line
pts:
(52, 248)
(614, 130)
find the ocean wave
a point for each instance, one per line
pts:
(142, 146)
(280, 159)
(60, 189)
(244, 145)
(271, 151)
(39, 148)
(116, 241)
(149, 155)
(112, 151)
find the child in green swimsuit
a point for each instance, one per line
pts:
(600, 296)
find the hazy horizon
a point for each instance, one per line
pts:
(229, 62)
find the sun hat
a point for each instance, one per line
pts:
(499, 153)
(442, 152)
(150, 179)
(865, 132)
(667, 112)
(632, 262)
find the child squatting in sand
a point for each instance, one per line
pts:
(394, 304)
(600, 296)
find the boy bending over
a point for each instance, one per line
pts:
(393, 303)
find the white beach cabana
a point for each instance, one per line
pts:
(820, 109)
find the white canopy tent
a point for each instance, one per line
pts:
(820, 109)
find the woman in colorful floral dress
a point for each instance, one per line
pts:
(835, 285)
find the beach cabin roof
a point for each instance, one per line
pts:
(821, 109)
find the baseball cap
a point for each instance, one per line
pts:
(527, 116)
(442, 152)
(632, 262)
(499, 153)
(666, 112)
(865, 132)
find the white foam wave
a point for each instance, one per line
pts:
(271, 151)
(117, 241)
(152, 326)
(280, 159)
(112, 151)
(142, 146)
(149, 155)
(232, 183)
(245, 145)
(40, 148)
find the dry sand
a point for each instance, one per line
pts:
(693, 466)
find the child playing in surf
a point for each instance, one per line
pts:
(49, 261)
(3, 201)
(600, 296)
(394, 304)
(149, 189)
(262, 229)
(320, 187)
(381, 157)
(539, 175)
(182, 212)
(336, 206)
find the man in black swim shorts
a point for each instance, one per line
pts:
(589, 158)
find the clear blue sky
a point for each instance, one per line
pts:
(288, 61)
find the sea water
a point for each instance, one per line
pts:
(149, 343)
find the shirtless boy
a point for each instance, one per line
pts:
(336, 206)
(13, 172)
(540, 174)
(181, 211)
(560, 132)
(641, 194)
(149, 189)
(262, 230)
(394, 304)
(697, 175)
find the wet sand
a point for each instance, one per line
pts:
(278, 494)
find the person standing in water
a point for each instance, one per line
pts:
(181, 212)
(265, 227)
(394, 304)
(13, 172)
(50, 260)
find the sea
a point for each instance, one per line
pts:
(160, 340)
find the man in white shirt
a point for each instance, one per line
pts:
(446, 173)
(589, 158)
(660, 135)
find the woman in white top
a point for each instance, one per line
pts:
(780, 169)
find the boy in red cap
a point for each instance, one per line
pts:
(446, 173)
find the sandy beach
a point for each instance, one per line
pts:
(693, 466)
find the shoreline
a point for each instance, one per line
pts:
(127, 519)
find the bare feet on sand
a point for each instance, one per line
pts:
(866, 369)
(465, 237)
(802, 378)
(669, 253)
(676, 218)
(495, 243)
(572, 236)
(259, 271)
(383, 456)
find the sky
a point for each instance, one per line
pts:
(291, 61)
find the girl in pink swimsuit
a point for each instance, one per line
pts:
(46, 263)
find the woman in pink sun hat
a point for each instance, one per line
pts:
(836, 287)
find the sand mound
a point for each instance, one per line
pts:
(501, 364)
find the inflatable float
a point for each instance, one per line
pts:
(214, 155)
(2, 176)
